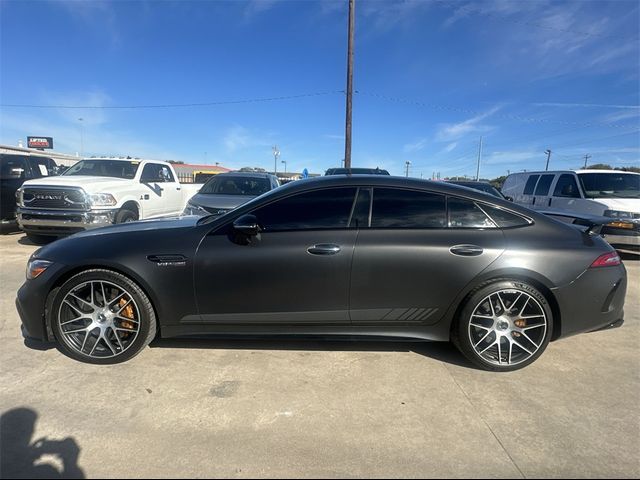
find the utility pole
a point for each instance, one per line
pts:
(276, 154)
(347, 136)
(586, 157)
(548, 152)
(407, 163)
(285, 165)
(479, 158)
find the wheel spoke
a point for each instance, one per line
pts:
(483, 338)
(504, 309)
(74, 320)
(123, 307)
(531, 316)
(105, 339)
(510, 350)
(488, 347)
(104, 295)
(518, 344)
(499, 351)
(532, 342)
(482, 316)
(115, 334)
(524, 329)
(120, 317)
(83, 301)
(493, 311)
(95, 345)
(118, 297)
(69, 332)
(72, 306)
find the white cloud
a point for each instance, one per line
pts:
(450, 147)
(511, 156)
(239, 138)
(256, 7)
(415, 146)
(449, 132)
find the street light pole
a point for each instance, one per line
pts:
(548, 152)
(479, 158)
(285, 165)
(407, 163)
(349, 92)
(276, 154)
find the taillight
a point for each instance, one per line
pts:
(607, 260)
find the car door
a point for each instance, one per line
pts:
(163, 195)
(413, 260)
(541, 196)
(295, 271)
(567, 195)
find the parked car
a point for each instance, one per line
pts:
(356, 171)
(485, 187)
(226, 191)
(97, 192)
(340, 255)
(14, 171)
(610, 193)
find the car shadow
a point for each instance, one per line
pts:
(23, 457)
(629, 256)
(441, 351)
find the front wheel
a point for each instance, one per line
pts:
(504, 326)
(102, 317)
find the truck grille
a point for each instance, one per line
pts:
(55, 198)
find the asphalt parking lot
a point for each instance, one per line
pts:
(309, 408)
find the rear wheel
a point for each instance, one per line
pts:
(102, 317)
(504, 326)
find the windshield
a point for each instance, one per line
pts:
(483, 187)
(105, 168)
(236, 185)
(610, 185)
(12, 166)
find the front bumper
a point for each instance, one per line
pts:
(593, 301)
(56, 222)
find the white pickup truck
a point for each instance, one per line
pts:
(97, 192)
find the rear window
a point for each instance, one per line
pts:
(466, 214)
(236, 185)
(397, 208)
(531, 183)
(503, 218)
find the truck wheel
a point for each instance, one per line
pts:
(125, 215)
(40, 239)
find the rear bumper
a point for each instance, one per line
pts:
(55, 222)
(593, 301)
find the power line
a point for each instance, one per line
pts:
(177, 105)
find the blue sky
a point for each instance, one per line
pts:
(431, 78)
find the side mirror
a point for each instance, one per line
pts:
(247, 224)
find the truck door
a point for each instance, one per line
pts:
(163, 192)
(541, 198)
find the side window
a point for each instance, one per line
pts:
(152, 173)
(397, 208)
(530, 185)
(166, 174)
(360, 215)
(466, 214)
(543, 185)
(320, 209)
(503, 218)
(566, 187)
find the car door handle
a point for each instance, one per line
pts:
(324, 249)
(466, 250)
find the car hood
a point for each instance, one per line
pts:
(88, 183)
(213, 200)
(622, 204)
(142, 225)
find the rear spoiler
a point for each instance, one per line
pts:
(593, 223)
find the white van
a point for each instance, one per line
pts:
(609, 193)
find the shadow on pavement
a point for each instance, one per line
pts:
(442, 351)
(20, 457)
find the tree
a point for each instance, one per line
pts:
(600, 166)
(498, 182)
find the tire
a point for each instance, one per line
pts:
(115, 319)
(40, 239)
(125, 215)
(510, 314)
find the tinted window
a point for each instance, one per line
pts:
(396, 208)
(483, 187)
(13, 166)
(105, 168)
(328, 208)
(566, 187)
(156, 173)
(531, 183)
(543, 185)
(237, 185)
(466, 214)
(503, 218)
(360, 215)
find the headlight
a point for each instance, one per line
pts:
(192, 209)
(36, 266)
(19, 197)
(102, 200)
(618, 214)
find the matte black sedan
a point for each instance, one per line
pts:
(339, 255)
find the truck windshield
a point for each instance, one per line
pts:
(236, 185)
(105, 168)
(610, 185)
(13, 166)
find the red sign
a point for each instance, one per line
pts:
(40, 142)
